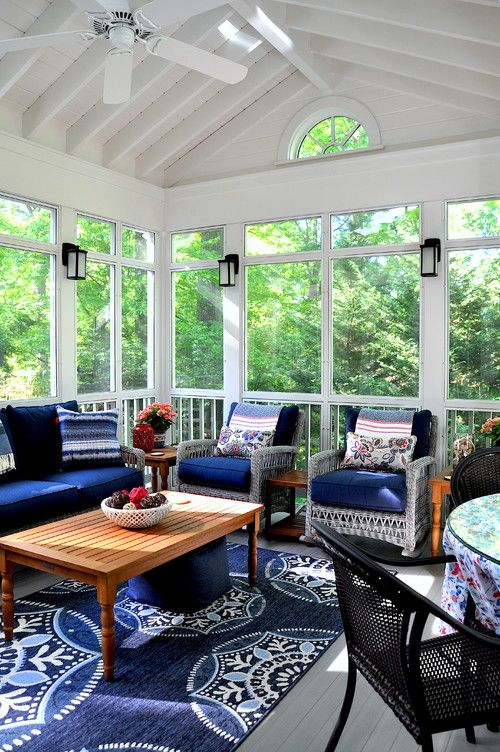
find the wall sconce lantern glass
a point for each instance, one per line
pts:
(430, 256)
(229, 267)
(74, 259)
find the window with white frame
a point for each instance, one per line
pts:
(28, 233)
(332, 135)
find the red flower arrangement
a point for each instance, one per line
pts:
(159, 415)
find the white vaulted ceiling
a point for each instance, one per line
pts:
(429, 71)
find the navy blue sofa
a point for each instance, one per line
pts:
(38, 490)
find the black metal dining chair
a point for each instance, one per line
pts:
(476, 475)
(433, 685)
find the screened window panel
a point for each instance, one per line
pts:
(283, 327)
(95, 234)
(138, 244)
(27, 220)
(198, 330)
(474, 219)
(198, 245)
(286, 236)
(94, 335)
(375, 325)
(137, 323)
(396, 226)
(27, 324)
(474, 323)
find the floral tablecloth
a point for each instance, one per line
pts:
(472, 535)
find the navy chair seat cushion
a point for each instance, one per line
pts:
(23, 501)
(36, 438)
(95, 484)
(361, 489)
(216, 472)
(421, 428)
(285, 427)
(188, 583)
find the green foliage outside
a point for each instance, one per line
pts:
(199, 357)
(474, 314)
(381, 227)
(200, 245)
(474, 219)
(93, 329)
(134, 328)
(375, 325)
(331, 136)
(25, 324)
(138, 244)
(287, 236)
(95, 234)
(283, 314)
(25, 220)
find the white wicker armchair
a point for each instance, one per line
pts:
(405, 529)
(265, 464)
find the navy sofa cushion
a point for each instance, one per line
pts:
(26, 501)
(421, 427)
(216, 472)
(285, 427)
(12, 474)
(361, 489)
(36, 438)
(188, 583)
(95, 484)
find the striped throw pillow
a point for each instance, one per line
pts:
(89, 439)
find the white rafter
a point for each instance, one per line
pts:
(444, 17)
(461, 53)
(483, 90)
(15, 64)
(237, 127)
(268, 19)
(144, 76)
(218, 110)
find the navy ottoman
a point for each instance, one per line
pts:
(187, 584)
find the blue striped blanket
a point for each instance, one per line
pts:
(6, 455)
(248, 417)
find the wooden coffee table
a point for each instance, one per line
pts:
(91, 549)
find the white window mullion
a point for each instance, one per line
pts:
(66, 291)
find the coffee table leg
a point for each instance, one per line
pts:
(7, 596)
(106, 596)
(437, 497)
(253, 529)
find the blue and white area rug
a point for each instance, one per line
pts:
(193, 683)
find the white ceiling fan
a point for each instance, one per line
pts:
(127, 22)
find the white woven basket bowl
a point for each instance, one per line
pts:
(136, 518)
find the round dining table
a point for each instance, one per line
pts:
(472, 535)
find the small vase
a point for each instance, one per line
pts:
(160, 437)
(462, 447)
(143, 437)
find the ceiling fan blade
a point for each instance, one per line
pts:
(39, 40)
(199, 60)
(164, 13)
(117, 76)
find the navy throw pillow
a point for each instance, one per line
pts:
(420, 427)
(36, 438)
(89, 439)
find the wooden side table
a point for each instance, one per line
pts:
(161, 462)
(440, 487)
(292, 526)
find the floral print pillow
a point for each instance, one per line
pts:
(242, 442)
(387, 453)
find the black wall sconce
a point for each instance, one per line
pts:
(229, 267)
(430, 256)
(74, 259)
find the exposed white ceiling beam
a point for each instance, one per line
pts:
(493, 3)
(67, 86)
(144, 76)
(218, 110)
(163, 113)
(484, 89)
(268, 19)
(237, 127)
(462, 53)
(417, 88)
(15, 64)
(446, 17)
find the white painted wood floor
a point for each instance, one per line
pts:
(304, 719)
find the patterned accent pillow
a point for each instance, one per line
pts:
(89, 439)
(242, 442)
(390, 454)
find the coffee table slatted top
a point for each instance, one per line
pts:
(91, 543)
